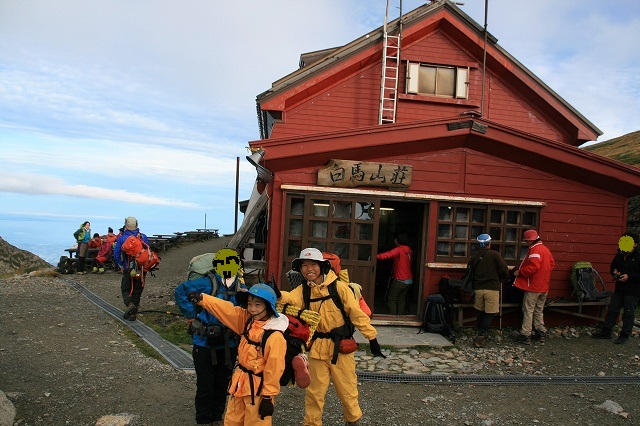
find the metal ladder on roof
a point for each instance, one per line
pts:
(390, 70)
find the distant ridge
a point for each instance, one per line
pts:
(14, 261)
(625, 149)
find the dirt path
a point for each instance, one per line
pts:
(65, 362)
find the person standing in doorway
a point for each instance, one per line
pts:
(625, 270)
(402, 276)
(533, 276)
(489, 269)
(132, 283)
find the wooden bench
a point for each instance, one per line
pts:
(561, 306)
(212, 232)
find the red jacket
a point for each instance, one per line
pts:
(401, 256)
(535, 270)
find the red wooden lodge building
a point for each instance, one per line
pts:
(408, 129)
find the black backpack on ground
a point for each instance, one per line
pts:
(66, 265)
(434, 317)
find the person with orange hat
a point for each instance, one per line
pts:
(625, 270)
(533, 277)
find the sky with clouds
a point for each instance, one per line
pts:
(111, 108)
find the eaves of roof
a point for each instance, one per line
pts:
(436, 135)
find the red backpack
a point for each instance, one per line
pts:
(146, 259)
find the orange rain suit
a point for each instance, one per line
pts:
(343, 372)
(240, 410)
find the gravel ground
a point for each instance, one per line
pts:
(65, 362)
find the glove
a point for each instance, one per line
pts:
(194, 297)
(375, 348)
(266, 408)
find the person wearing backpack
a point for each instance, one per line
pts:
(402, 276)
(533, 277)
(83, 236)
(489, 269)
(255, 382)
(326, 361)
(625, 270)
(215, 346)
(132, 283)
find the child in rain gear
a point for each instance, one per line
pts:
(256, 380)
(325, 363)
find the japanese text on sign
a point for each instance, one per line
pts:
(346, 173)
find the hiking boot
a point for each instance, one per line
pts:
(95, 269)
(301, 368)
(622, 339)
(101, 271)
(538, 336)
(525, 340)
(132, 310)
(480, 341)
(602, 334)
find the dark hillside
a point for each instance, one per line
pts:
(14, 261)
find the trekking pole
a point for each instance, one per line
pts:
(500, 310)
(386, 293)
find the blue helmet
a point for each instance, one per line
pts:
(484, 239)
(265, 292)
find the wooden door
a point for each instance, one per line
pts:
(346, 226)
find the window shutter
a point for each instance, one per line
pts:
(413, 70)
(462, 83)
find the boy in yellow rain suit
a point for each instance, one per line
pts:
(256, 380)
(322, 366)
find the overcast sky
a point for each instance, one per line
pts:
(111, 108)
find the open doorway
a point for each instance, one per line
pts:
(399, 217)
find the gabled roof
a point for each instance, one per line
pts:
(440, 14)
(437, 135)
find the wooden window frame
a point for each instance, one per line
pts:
(309, 218)
(460, 81)
(457, 231)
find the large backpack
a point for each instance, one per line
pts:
(296, 336)
(200, 266)
(145, 258)
(66, 265)
(583, 283)
(433, 318)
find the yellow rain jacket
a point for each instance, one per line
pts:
(270, 364)
(330, 315)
